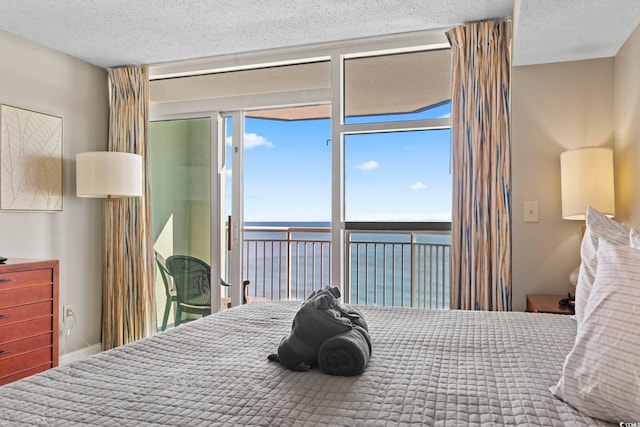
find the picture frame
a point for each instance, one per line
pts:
(30, 160)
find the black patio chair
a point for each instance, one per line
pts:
(192, 280)
(169, 289)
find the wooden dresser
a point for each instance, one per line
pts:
(28, 318)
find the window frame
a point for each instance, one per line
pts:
(340, 130)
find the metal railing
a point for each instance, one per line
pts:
(387, 268)
(399, 269)
(286, 262)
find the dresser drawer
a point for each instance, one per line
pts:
(25, 295)
(29, 328)
(26, 361)
(23, 374)
(24, 278)
(14, 348)
(20, 313)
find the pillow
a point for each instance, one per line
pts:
(634, 238)
(598, 226)
(601, 374)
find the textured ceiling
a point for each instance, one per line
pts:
(569, 30)
(110, 33)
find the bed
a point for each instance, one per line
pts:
(427, 368)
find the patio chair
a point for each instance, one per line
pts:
(169, 288)
(192, 279)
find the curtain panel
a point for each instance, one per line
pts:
(481, 166)
(128, 291)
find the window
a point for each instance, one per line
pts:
(398, 176)
(394, 172)
(377, 170)
(405, 86)
(287, 170)
(397, 182)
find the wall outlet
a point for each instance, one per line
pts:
(67, 312)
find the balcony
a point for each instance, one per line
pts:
(385, 268)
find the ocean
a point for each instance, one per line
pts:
(384, 268)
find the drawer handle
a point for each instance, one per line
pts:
(4, 352)
(4, 316)
(5, 280)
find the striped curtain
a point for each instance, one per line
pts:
(128, 292)
(481, 166)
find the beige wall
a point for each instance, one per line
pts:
(40, 79)
(558, 107)
(627, 130)
(555, 107)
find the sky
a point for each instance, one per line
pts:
(399, 176)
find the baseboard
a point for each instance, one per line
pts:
(79, 354)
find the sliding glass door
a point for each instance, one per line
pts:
(180, 159)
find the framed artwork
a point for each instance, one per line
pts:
(30, 159)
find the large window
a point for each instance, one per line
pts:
(350, 141)
(397, 181)
(394, 172)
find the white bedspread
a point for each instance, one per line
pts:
(427, 368)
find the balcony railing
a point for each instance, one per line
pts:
(399, 269)
(286, 262)
(386, 268)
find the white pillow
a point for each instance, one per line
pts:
(598, 226)
(601, 374)
(634, 238)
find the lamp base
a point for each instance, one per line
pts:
(573, 278)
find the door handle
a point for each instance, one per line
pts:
(236, 234)
(229, 233)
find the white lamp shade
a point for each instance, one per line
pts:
(103, 174)
(587, 180)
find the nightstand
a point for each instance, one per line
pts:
(537, 303)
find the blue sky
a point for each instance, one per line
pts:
(400, 176)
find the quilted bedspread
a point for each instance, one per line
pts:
(427, 368)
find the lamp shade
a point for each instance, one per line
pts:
(587, 180)
(104, 174)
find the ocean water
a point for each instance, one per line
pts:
(385, 269)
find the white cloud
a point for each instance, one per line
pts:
(229, 172)
(252, 140)
(445, 116)
(367, 166)
(417, 186)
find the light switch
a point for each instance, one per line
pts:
(530, 211)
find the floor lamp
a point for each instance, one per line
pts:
(108, 175)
